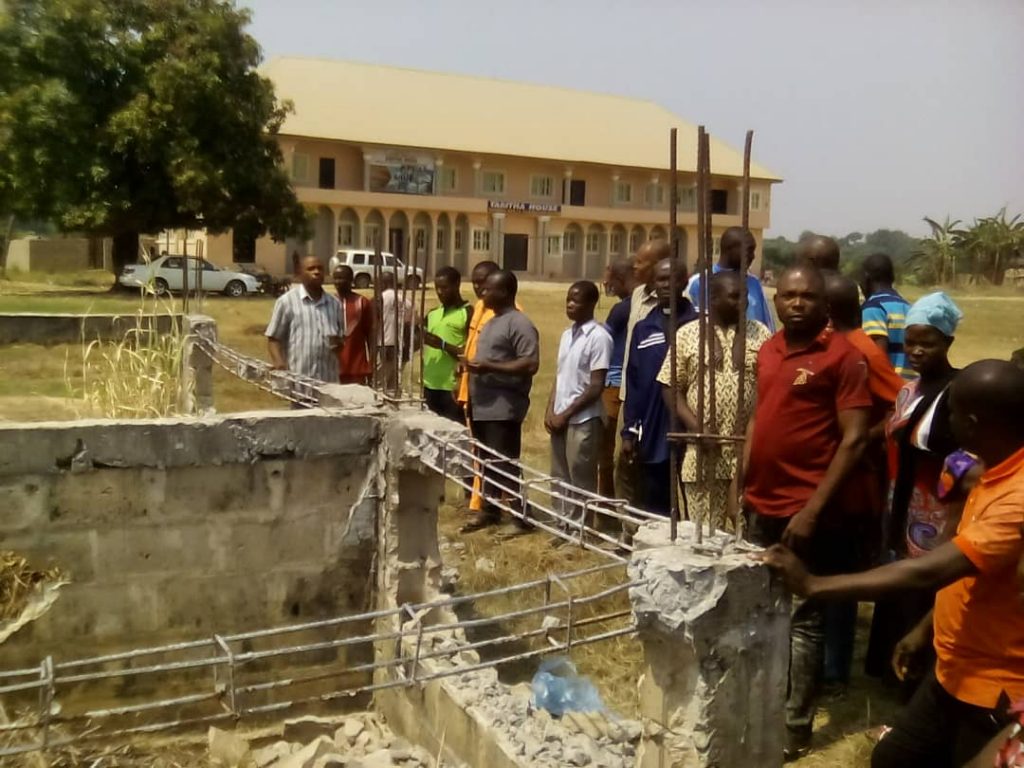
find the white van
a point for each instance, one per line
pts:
(363, 264)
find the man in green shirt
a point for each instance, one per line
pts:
(445, 337)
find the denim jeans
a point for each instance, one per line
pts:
(833, 549)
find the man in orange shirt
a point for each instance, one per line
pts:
(884, 384)
(978, 624)
(883, 381)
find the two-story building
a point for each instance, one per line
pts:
(447, 169)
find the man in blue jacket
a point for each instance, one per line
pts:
(646, 419)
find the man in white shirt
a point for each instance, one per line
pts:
(575, 413)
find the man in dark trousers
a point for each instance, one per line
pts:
(618, 282)
(804, 443)
(500, 377)
(977, 625)
(646, 417)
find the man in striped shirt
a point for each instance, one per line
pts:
(305, 329)
(884, 311)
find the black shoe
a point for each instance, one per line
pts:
(798, 744)
(480, 521)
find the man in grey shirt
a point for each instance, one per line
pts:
(500, 377)
(304, 333)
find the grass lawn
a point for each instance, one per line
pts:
(33, 387)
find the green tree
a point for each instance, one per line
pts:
(936, 258)
(119, 117)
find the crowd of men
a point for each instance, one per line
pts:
(875, 470)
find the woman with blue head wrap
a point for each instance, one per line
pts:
(923, 512)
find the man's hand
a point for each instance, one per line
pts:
(785, 563)
(800, 529)
(431, 340)
(628, 448)
(477, 366)
(906, 656)
(556, 422)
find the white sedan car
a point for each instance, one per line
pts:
(164, 275)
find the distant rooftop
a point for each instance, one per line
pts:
(391, 106)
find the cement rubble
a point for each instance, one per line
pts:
(360, 740)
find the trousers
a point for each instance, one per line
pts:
(833, 549)
(501, 478)
(574, 456)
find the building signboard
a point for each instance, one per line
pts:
(514, 207)
(401, 173)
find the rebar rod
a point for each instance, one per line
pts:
(428, 269)
(702, 328)
(710, 449)
(671, 325)
(739, 426)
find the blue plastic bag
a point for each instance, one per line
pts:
(558, 689)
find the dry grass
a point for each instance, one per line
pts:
(526, 558)
(139, 376)
(19, 581)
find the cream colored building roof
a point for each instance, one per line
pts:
(392, 106)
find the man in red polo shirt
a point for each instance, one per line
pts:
(804, 444)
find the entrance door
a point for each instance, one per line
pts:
(516, 247)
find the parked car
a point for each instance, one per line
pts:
(164, 275)
(363, 263)
(271, 285)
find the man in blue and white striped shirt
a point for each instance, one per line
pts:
(305, 330)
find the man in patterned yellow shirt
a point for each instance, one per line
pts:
(708, 501)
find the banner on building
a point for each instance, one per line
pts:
(401, 173)
(505, 205)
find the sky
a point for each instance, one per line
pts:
(876, 113)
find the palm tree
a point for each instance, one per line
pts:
(993, 243)
(935, 260)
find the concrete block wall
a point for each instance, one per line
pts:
(179, 529)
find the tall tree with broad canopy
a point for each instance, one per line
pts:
(119, 117)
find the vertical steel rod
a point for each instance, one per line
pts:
(739, 426)
(711, 448)
(702, 327)
(184, 274)
(670, 336)
(429, 269)
(378, 308)
(199, 274)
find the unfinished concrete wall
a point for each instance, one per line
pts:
(714, 626)
(33, 328)
(175, 529)
(469, 715)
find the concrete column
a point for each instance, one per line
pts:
(197, 370)
(438, 167)
(498, 238)
(478, 177)
(366, 173)
(567, 182)
(542, 249)
(714, 626)
(614, 202)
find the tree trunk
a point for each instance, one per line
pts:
(125, 250)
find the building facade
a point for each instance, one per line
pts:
(543, 206)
